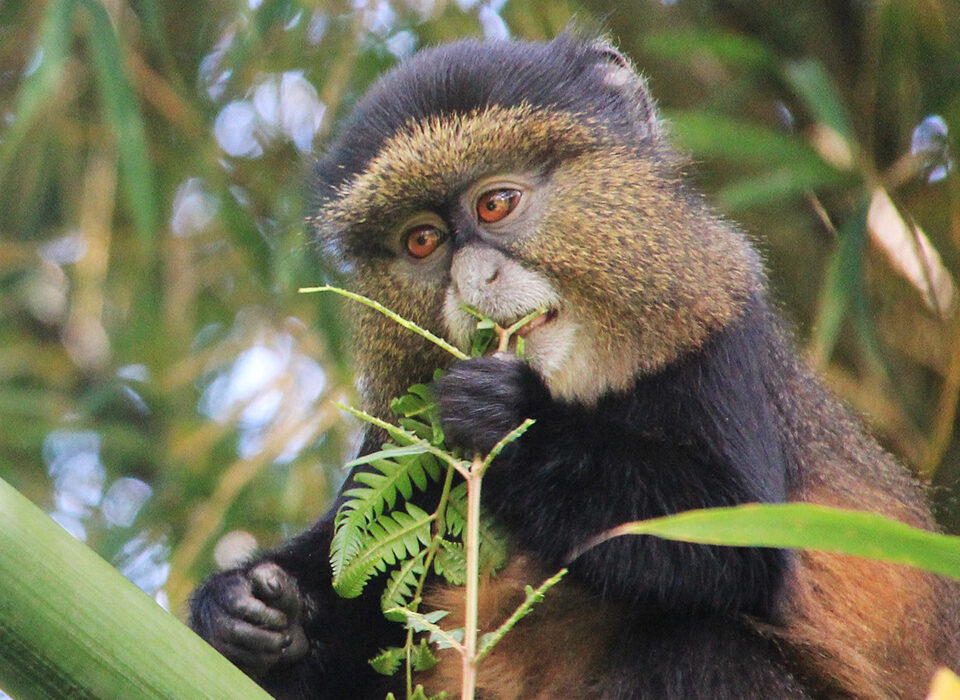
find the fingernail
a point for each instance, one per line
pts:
(287, 641)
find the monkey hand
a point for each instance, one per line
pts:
(252, 617)
(483, 399)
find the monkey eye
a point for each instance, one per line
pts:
(495, 205)
(422, 240)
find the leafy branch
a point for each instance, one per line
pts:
(375, 535)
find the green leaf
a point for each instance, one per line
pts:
(72, 626)
(423, 658)
(420, 622)
(482, 339)
(240, 224)
(806, 526)
(533, 596)
(456, 513)
(41, 87)
(377, 491)
(391, 537)
(718, 136)
(401, 586)
(388, 661)
(774, 186)
(420, 694)
(844, 282)
(422, 430)
(506, 440)
(812, 83)
(377, 306)
(408, 405)
(730, 48)
(451, 563)
(122, 112)
(390, 452)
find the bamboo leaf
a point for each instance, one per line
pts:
(72, 626)
(775, 186)
(40, 87)
(843, 282)
(718, 136)
(812, 83)
(122, 112)
(733, 49)
(804, 526)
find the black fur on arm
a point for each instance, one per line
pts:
(702, 433)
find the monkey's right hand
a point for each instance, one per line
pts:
(252, 616)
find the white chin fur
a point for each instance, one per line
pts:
(565, 351)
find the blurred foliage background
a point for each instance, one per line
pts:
(165, 393)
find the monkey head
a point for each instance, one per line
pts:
(513, 180)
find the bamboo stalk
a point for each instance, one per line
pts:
(72, 626)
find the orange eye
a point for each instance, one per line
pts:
(423, 240)
(494, 205)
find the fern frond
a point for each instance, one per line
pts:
(391, 537)
(451, 563)
(533, 597)
(380, 487)
(388, 660)
(402, 585)
(455, 516)
(388, 452)
(452, 639)
(348, 540)
(423, 658)
(376, 491)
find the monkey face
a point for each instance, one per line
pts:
(511, 194)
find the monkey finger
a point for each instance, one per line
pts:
(258, 613)
(242, 635)
(298, 646)
(277, 588)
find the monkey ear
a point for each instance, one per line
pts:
(619, 73)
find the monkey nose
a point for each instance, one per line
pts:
(475, 267)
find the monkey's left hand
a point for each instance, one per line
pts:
(483, 399)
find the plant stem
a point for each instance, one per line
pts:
(472, 546)
(377, 306)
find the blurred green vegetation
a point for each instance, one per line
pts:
(166, 394)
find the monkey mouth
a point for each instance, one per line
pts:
(536, 322)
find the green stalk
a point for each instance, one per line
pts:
(472, 546)
(72, 626)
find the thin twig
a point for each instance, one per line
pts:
(393, 315)
(533, 597)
